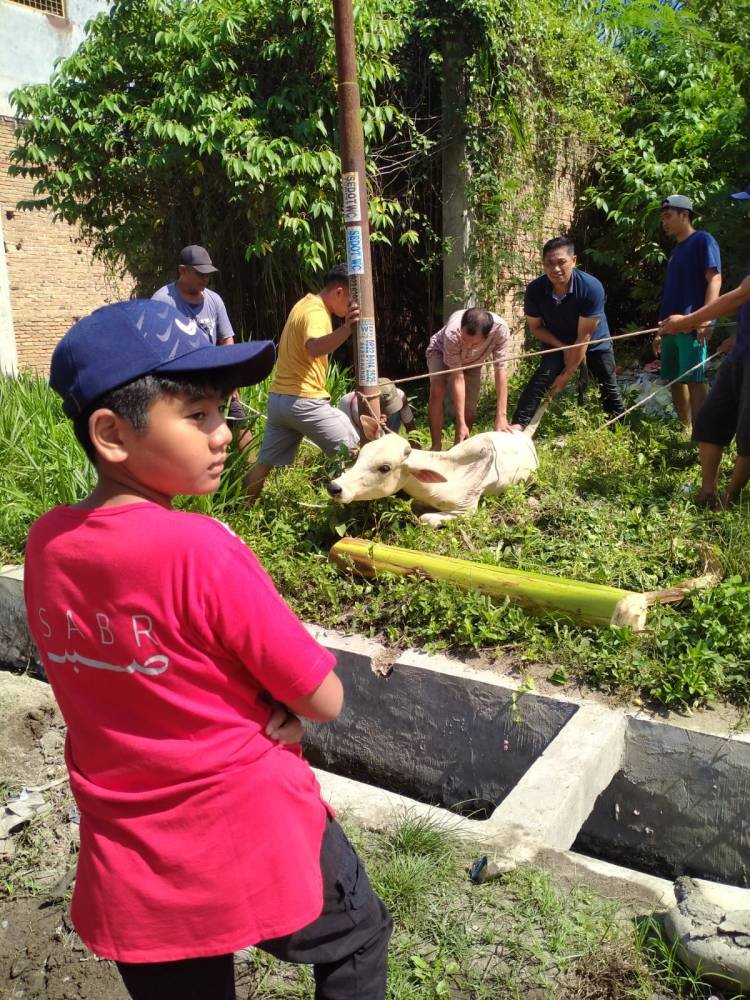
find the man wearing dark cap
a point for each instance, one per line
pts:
(693, 280)
(191, 296)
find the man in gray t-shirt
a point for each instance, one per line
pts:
(191, 297)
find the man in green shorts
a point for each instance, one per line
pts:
(693, 280)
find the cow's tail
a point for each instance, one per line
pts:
(532, 425)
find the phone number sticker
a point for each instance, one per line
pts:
(367, 353)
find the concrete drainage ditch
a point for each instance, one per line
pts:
(663, 799)
(613, 794)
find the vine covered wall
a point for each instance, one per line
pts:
(216, 122)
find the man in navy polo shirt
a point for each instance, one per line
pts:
(693, 280)
(566, 306)
(726, 412)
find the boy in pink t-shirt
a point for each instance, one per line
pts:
(202, 827)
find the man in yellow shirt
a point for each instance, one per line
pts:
(298, 403)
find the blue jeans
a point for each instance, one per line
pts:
(600, 363)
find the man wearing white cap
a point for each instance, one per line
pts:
(693, 279)
(726, 413)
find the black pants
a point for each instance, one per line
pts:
(726, 412)
(347, 944)
(601, 364)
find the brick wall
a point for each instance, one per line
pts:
(525, 247)
(53, 278)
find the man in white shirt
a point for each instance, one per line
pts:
(470, 337)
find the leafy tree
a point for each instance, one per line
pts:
(684, 128)
(177, 122)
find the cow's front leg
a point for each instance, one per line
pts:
(436, 518)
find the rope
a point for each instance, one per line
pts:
(517, 357)
(530, 354)
(520, 357)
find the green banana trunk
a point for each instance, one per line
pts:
(591, 603)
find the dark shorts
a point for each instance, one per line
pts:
(726, 411)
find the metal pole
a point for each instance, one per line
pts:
(354, 185)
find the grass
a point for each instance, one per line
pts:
(24, 873)
(519, 936)
(609, 507)
(525, 934)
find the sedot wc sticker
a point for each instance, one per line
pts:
(350, 189)
(367, 353)
(355, 257)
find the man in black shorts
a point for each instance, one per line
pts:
(726, 412)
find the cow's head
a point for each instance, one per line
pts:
(381, 469)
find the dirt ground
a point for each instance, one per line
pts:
(41, 956)
(40, 953)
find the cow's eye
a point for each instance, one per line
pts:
(384, 468)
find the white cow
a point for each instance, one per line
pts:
(451, 482)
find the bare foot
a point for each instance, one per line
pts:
(707, 499)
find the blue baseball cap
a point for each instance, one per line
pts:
(741, 195)
(122, 341)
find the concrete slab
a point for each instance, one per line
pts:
(556, 795)
(672, 798)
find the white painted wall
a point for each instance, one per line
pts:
(31, 41)
(8, 352)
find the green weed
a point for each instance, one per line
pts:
(610, 507)
(663, 962)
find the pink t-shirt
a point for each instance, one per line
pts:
(159, 631)
(448, 342)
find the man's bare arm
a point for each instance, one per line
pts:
(458, 389)
(325, 702)
(724, 305)
(540, 331)
(316, 346)
(713, 288)
(501, 409)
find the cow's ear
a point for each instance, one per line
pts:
(427, 476)
(371, 427)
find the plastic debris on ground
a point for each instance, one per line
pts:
(14, 815)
